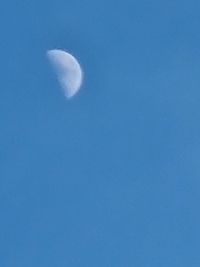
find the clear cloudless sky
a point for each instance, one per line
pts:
(110, 178)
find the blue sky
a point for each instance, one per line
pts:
(111, 177)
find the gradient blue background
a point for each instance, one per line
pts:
(110, 178)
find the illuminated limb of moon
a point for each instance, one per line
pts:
(68, 71)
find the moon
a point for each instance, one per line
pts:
(68, 71)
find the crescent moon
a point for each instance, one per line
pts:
(68, 71)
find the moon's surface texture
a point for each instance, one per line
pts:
(68, 71)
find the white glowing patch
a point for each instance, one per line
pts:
(68, 71)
